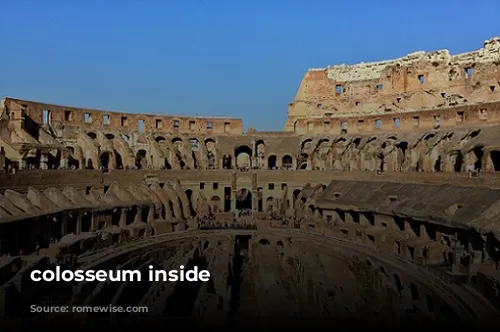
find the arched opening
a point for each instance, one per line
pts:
(210, 146)
(86, 222)
(287, 162)
(495, 160)
(458, 161)
(243, 155)
(110, 137)
(140, 159)
(303, 165)
(116, 216)
(56, 229)
(260, 149)
(195, 144)
(295, 126)
(271, 162)
(118, 160)
(243, 200)
(479, 153)
(104, 160)
(403, 146)
(92, 135)
(54, 159)
(270, 204)
(189, 194)
(160, 139)
(32, 158)
(215, 204)
(72, 162)
(89, 164)
(226, 161)
(264, 242)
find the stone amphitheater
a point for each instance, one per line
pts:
(380, 199)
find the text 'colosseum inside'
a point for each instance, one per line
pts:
(380, 200)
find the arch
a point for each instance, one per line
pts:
(459, 161)
(479, 153)
(72, 162)
(295, 126)
(176, 140)
(303, 165)
(110, 136)
(209, 140)
(279, 245)
(160, 139)
(304, 142)
(104, 160)
(227, 162)
(269, 204)
(271, 161)
(495, 160)
(118, 160)
(264, 242)
(140, 158)
(429, 136)
(243, 155)
(54, 159)
(215, 204)
(195, 144)
(287, 161)
(92, 135)
(244, 199)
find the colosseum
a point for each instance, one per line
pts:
(379, 200)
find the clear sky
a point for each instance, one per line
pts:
(238, 58)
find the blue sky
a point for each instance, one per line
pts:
(234, 58)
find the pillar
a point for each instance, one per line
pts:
(138, 215)
(43, 161)
(123, 218)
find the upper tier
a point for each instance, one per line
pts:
(418, 81)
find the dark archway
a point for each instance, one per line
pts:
(118, 160)
(243, 199)
(271, 162)
(495, 160)
(140, 158)
(479, 152)
(287, 162)
(226, 162)
(104, 160)
(239, 152)
(92, 135)
(459, 162)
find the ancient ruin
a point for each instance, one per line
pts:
(381, 198)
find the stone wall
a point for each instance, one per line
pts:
(420, 81)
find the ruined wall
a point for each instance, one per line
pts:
(417, 82)
(99, 119)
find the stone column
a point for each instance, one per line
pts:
(138, 215)
(43, 161)
(123, 218)
(22, 163)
